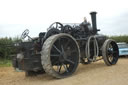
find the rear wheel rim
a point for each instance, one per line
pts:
(64, 56)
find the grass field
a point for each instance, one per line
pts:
(5, 63)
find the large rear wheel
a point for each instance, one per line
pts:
(60, 55)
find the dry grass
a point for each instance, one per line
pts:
(92, 74)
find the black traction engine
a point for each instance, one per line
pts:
(58, 51)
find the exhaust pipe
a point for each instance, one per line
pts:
(94, 25)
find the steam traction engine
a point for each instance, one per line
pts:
(59, 50)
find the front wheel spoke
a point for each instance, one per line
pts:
(114, 52)
(110, 58)
(114, 58)
(110, 54)
(65, 68)
(56, 48)
(68, 60)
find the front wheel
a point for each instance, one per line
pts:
(110, 52)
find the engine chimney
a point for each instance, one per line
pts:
(94, 25)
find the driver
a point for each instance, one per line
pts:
(84, 25)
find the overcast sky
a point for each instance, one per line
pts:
(37, 15)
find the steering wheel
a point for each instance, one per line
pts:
(25, 34)
(67, 29)
(56, 25)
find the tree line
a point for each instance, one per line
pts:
(7, 48)
(7, 45)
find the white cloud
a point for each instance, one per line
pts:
(39, 14)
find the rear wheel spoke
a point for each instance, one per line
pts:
(56, 48)
(73, 51)
(68, 60)
(67, 43)
(56, 63)
(65, 68)
(59, 68)
(62, 49)
(59, 43)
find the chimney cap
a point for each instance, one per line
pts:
(93, 12)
